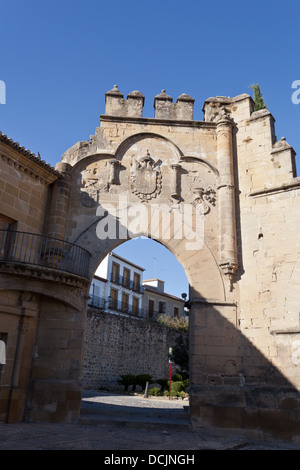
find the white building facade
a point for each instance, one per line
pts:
(157, 302)
(118, 283)
(118, 287)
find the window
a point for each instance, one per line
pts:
(7, 225)
(136, 282)
(115, 273)
(125, 302)
(114, 299)
(151, 308)
(162, 307)
(176, 310)
(135, 306)
(126, 278)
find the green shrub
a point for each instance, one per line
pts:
(177, 387)
(174, 323)
(155, 391)
(183, 394)
(179, 378)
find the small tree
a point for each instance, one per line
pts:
(141, 380)
(126, 380)
(180, 354)
(258, 98)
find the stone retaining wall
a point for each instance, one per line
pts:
(115, 345)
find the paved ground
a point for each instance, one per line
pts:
(127, 423)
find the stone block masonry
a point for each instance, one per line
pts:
(115, 345)
(244, 276)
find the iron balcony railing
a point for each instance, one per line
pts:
(127, 283)
(114, 306)
(39, 250)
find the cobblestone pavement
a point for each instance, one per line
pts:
(129, 434)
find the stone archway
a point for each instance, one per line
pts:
(194, 187)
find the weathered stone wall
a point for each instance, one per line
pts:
(24, 187)
(116, 345)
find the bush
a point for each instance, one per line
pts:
(180, 378)
(174, 323)
(154, 391)
(177, 387)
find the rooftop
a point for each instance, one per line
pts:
(126, 261)
(27, 153)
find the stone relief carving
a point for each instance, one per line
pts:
(146, 179)
(217, 112)
(98, 179)
(203, 197)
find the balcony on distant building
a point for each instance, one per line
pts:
(127, 283)
(113, 305)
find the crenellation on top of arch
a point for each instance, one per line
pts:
(240, 107)
(117, 105)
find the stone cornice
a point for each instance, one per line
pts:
(42, 273)
(212, 302)
(158, 122)
(286, 331)
(294, 184)
(26, 162)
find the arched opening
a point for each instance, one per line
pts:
(136, 314)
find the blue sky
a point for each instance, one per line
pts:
(59, 58)
(158, 262)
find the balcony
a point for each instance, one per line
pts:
(127, 283)
(38, 250)
(114, 306)
(116, 278)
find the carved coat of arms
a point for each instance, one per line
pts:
(202, 197)
(146, 178)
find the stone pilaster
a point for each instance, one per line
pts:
(59, 202)
(226, 195)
